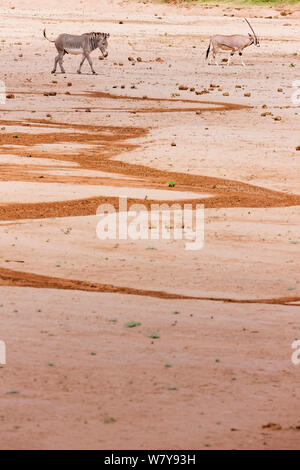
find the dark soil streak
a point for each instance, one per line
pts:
(10, 277)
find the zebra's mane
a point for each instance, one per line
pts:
(94, 39)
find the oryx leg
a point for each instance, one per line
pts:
(240, 54)
(230, 57)
(215, 57)
(81, 63)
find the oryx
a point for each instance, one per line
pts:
(234, 43)
(84, 44)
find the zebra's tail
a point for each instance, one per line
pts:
(44, 33)
(207, 52)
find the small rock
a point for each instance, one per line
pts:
(274, 426)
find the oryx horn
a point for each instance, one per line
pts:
(251, 29)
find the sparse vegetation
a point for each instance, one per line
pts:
(154, 335)
(109, 420)
(132, 324)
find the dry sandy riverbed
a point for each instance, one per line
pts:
(220, 374)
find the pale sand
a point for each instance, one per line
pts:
(231, 362)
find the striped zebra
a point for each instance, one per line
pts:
(75, 44)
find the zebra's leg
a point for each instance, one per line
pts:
(81, 63)
(91, 63)
(55, 64)
(240, 54)
(60, 61)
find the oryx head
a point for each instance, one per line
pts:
(102, 42)
(253, 36)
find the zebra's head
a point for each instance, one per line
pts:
(103, 43)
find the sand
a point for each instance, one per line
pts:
(220, 374)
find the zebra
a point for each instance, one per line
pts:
(75, 44)
(234, 43)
